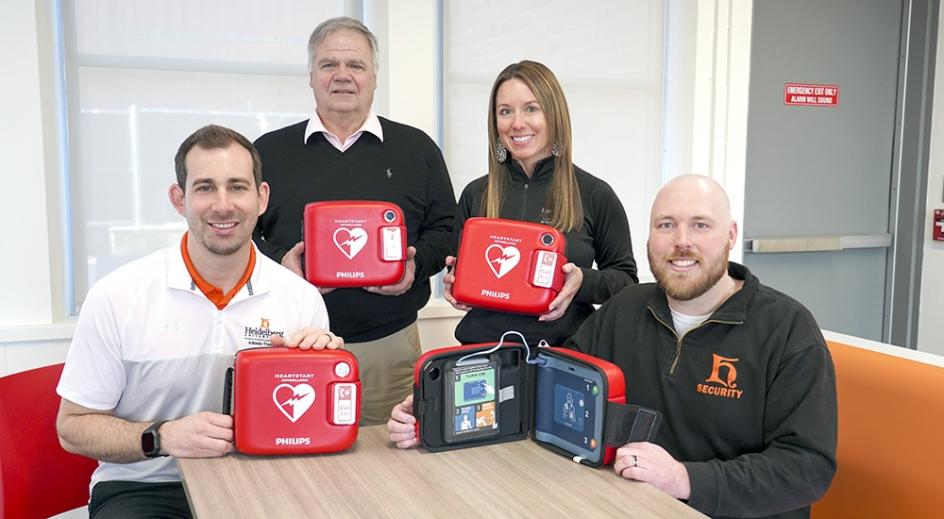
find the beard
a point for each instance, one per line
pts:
(221, 246)
(683, 286)
(224, 248)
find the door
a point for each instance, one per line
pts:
(819, 178)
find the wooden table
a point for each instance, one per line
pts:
(375, 479)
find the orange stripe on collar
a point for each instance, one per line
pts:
(213, 293)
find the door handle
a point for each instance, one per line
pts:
(816, 243)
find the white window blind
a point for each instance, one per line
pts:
(141, 75)
(608, 56)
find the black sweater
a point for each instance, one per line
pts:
(407, 168)
(603, 237)
(748, 397)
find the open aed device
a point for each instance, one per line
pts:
(354, 243)
(291, 401)
(509, 265)
(570, 402)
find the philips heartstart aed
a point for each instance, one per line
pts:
(570, 402)
(291, 401)
(354, 243)
(509, 265)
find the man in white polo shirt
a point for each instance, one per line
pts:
(143, 381)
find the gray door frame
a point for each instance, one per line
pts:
(908, 193)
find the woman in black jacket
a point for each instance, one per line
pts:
(531, 177)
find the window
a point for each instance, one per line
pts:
(608, 56)
(141, 76)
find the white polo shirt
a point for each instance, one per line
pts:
(150, 346)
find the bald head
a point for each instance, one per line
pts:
(690, 235)
(697, 192)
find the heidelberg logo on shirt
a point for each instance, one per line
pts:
(722, 381)
(259, 335)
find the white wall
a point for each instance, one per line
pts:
(719, 119)
(26, 294)
(411, 64)
(930, 332)
(28, 305)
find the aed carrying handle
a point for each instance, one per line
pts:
(627, 423)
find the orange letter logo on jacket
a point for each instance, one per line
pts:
(723, 362)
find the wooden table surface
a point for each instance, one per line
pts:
(375, 479)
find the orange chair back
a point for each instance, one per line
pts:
(891, 437)
(37, 477)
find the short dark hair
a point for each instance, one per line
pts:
(212, 137)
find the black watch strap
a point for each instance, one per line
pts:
(151, 440)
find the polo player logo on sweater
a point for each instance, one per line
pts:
(724, 374)
(350, 241)
(293, 401)
(501, 259)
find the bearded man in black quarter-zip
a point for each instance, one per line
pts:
(739, 370)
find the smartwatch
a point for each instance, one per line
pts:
(151, 440)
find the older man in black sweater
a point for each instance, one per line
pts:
(346, 152)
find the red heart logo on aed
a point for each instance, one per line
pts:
(502, 259)
(350, 241)
(293, 401)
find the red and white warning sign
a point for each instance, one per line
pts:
(805, 94)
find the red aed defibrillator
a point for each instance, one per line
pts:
(291, 401)
(354, 243)
(569, 402)
(509, 265)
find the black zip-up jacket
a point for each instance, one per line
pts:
(603, 238)
(407, 168)
(748, 397)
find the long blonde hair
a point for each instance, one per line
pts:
(563, 198)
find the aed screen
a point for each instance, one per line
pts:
(573, 409)
(474, 399)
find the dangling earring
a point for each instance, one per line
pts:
(556, 150)
(501, 153)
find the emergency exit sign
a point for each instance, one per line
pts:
(805, 94)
